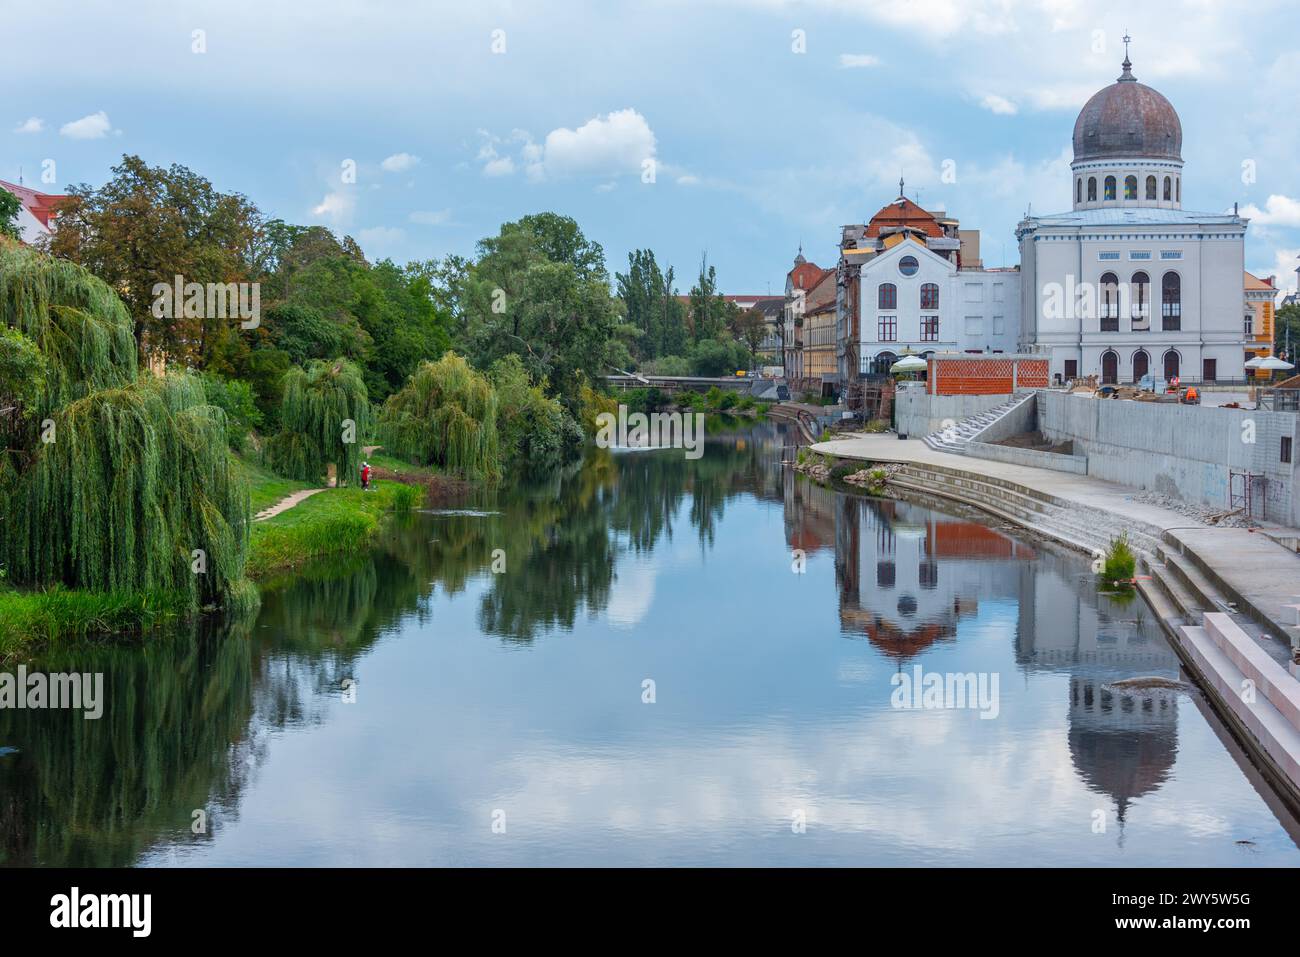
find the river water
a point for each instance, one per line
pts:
(651, 660)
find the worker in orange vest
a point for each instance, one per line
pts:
(1191, 398)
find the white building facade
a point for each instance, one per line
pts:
(1129, 283)
(914, 300)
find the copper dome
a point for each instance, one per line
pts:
(1127, 120)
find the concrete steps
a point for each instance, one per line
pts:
(1078, 526)
(1261, 698)
(955, 439)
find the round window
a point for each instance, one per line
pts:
(908, 265)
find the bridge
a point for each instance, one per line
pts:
(679, 383)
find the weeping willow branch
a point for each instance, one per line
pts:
(324, 416)
(133, 487)
(445, 415)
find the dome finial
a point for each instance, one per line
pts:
(1127, 76)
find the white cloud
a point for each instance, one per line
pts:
(1278, 211)
(431, 218)
(499, 166)
(618, 142)
(399, 162)
(92, 127)
(1283, 267)
(849, 61)
(607, 145)
(337, 206)
(688, 179)
(998, 104)
(33, 124)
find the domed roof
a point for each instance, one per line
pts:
(1128, 120)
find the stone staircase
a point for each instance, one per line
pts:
(1175, 584)
(955, 439)
(1072, 524)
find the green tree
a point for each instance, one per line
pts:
(445, 415)
(324, 416)
(555, 314)
(146, 226)
(9, 207)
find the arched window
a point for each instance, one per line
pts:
(887, 297)
(1109, 367)
(929, 295)
(1141, 365)
(1092, 189)
(1169, 189)
(1109, 302)
(1078, 190)
(1171, 302)
(1130, 187)
(1140, 296)
(1171, 365)
(1151, 187)
(1178, 190)
(1110, 188)
(881, 363)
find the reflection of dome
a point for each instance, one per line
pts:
(907, 606)
(1123, 744)
(1128, 120)
(890, 638)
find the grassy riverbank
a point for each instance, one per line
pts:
(31, 619)
(336, 520)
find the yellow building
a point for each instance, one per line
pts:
(1258, 318)
(820, 367)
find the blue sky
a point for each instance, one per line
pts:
(756, 146)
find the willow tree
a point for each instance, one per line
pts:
(324, 416)
(445, 415)
(123, 481)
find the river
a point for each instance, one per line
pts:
(651, 660)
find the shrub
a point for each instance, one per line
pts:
(1120, 563)
(534, 434)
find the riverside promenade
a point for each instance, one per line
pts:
(1259, 574)
(1227, 597)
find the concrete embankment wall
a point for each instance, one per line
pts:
(1075, 464)
(1184, 451)
(920, 414)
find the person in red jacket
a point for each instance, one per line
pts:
(365, 476)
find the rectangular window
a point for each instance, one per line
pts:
(1210, 369)
(997, 292)
(1286, 449)
(1110, 323)
(929, 328)
(974, 292)
(1139, 254)
(888, 329)
(1171, 254)
(999, 326)
(1250, 324)
(1108, 256)
(974, 325)
(1072, 368)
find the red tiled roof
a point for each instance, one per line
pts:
(42, 206)
(904, 212)
(807, 275)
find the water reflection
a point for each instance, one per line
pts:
(383, 705)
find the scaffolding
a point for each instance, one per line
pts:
(1242, 495)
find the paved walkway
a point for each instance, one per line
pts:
(1260, 571)
(286, 503)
